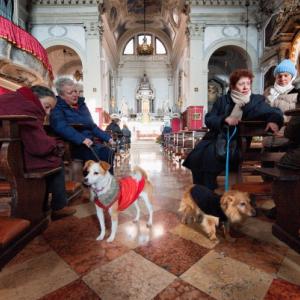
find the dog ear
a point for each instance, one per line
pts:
(104, 165)
(87, 164)
(226, 200)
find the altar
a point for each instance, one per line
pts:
(145, 99)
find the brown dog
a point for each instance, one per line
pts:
(201, 205)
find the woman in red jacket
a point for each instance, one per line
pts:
(40, 150)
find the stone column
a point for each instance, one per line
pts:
(92, 76)
(197, 93)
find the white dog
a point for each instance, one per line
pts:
(108, 193)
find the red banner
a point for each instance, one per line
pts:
(25, 41)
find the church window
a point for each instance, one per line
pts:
(129, 48)
(159, 47)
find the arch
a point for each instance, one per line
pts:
(131, 33)
(251, 53)
(295, 49)
(68, 43)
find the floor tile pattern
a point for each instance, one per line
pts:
(167, 261)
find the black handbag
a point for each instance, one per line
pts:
(221, 147)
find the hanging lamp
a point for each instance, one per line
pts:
(144, 48)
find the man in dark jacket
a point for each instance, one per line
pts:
(71, 109)
(40, 150)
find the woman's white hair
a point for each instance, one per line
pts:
(61, 82)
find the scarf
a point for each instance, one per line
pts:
(278, 90)
(240, 100)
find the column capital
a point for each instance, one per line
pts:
(196, 30)
(93, 29)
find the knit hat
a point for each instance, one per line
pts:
(286, 66)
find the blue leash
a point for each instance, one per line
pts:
(229, 138)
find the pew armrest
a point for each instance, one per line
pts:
(41, 173)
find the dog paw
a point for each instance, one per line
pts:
(100, 237)
(110, 239)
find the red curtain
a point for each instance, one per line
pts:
(23, 40)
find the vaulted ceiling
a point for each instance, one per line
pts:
(124, 15)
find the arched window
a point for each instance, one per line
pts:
(129, 48)
(159, 47)
(131, 45)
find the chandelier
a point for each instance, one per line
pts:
(144, 48)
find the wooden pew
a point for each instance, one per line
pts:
(73, 168)
(28, 192)
(285, 192)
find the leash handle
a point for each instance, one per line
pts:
(228, 140)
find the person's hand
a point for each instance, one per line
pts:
(111, 141)
(231, 121)
(272, 126)
(87, 142)
(59, 150)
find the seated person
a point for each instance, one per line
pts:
(284, 96)
(71, 109)
(114, 128)
(40, 150)
(126, 135)
(238, 104)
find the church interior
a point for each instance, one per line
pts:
(157, 67)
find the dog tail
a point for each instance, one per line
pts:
(138, 173)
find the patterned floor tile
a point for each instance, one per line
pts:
(283, 290)
(172, 253)
(133, 235)
(35, 248)
(76, 290)
(290, 267)
(227, 279)
(194, 234)
(182, 290)
(75, 241)
(260, 230)
(35, 278)
(85, 210)
(166, 219)
(255, 253)
(128, 277)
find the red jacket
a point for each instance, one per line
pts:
(38, 146)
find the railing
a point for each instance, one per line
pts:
(24, 41)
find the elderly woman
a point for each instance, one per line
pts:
(284, 96)
(239, 104)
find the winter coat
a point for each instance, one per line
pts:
(63, 116)
(202, 157)
(127, 135)
(40, 150)
(114, 128)
(284, 102)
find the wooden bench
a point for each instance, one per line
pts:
(73, 167)
(285, 192)
(28, 192)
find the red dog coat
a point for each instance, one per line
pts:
(129, 191)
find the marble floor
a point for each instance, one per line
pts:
(168, 261)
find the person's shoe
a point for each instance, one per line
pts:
(271, 213)
(62, 213)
